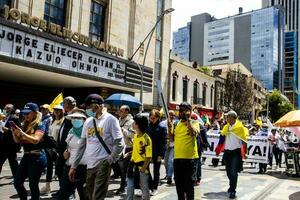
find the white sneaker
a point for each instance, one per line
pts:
(138, 193)
(46, 189)
(153, 193)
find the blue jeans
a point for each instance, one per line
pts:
(144, 177)
(31, 166)
(169, 160)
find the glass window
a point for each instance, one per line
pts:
(211, 95)
(195, 92)
(97, 18)
(174, 85)
(5, 2)
(184, 89)
(204, 95)
(55, 11)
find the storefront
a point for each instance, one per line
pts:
(36, 64)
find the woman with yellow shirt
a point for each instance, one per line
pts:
(138, 169)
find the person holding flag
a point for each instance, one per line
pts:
(233, 141)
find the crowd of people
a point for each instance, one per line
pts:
(84, 143)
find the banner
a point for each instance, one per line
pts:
(258, 147)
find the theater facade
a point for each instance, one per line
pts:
(41, 57)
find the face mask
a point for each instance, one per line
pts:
(90, 113)
(77, 123)
(264, 129)
(4, 112)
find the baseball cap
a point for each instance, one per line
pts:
(185, 105)
(58, 107)
(231, 113)
(70, 100)
(93, 98)
(30, 107)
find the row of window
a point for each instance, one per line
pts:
(195, 99)
(55, 12)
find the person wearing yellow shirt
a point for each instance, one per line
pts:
(138, 169)
(185, 151)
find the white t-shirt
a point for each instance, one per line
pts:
(232, 142)
(109, 129)
(73, 146)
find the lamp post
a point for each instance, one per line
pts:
(141, 68)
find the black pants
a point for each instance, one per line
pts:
(184, 171)
(278, 156)
(123, 163)
(69, 187)
(12, 159)
(233, 165)
(51, 158)
(31, 166)
(154, 181)
(59, 168)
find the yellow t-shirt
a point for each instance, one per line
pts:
(141, 148)
(185, 146)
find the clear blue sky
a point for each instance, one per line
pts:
(184, 9)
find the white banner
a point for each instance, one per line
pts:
(26, 46)
(258, 147)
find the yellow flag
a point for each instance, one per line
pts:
(57, 101)
(238, 129)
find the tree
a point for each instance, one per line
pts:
(278, 105)
(205, 70)
(238, 92)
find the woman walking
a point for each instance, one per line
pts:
(34, 159)
(77, 118)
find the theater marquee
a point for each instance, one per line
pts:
(25, 46)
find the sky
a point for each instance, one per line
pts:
(184, 9)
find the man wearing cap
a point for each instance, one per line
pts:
(69, 104)
(185, 151)
(102, 142)
(8, 147)
(234, 135)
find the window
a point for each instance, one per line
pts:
(184, 89)
(204, 94)
(211, 95)
(55, 11)
(174, 86)
(5, 2)
(97, 17)
(195, 92)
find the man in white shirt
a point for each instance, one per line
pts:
(100, 153)
(232, 154)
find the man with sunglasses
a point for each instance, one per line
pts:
(185, 151)
(102, 142)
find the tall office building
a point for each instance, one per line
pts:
(253, 38)
(291, 68)
(181, 42)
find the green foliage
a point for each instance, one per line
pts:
(205, 69)
(278, 105)
(238, 92)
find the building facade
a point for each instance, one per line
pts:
(81, 46)
(245, 38)
(291, 19)
(188, 84)
(181, 42)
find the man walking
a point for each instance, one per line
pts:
(233, 137)
(102, 142)
(126, 122)
(185, 152)
(8, 148)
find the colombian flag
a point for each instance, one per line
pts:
(238, 130)
(57, 101)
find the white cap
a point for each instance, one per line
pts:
(58, 107)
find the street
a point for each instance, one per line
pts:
(274, 185)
